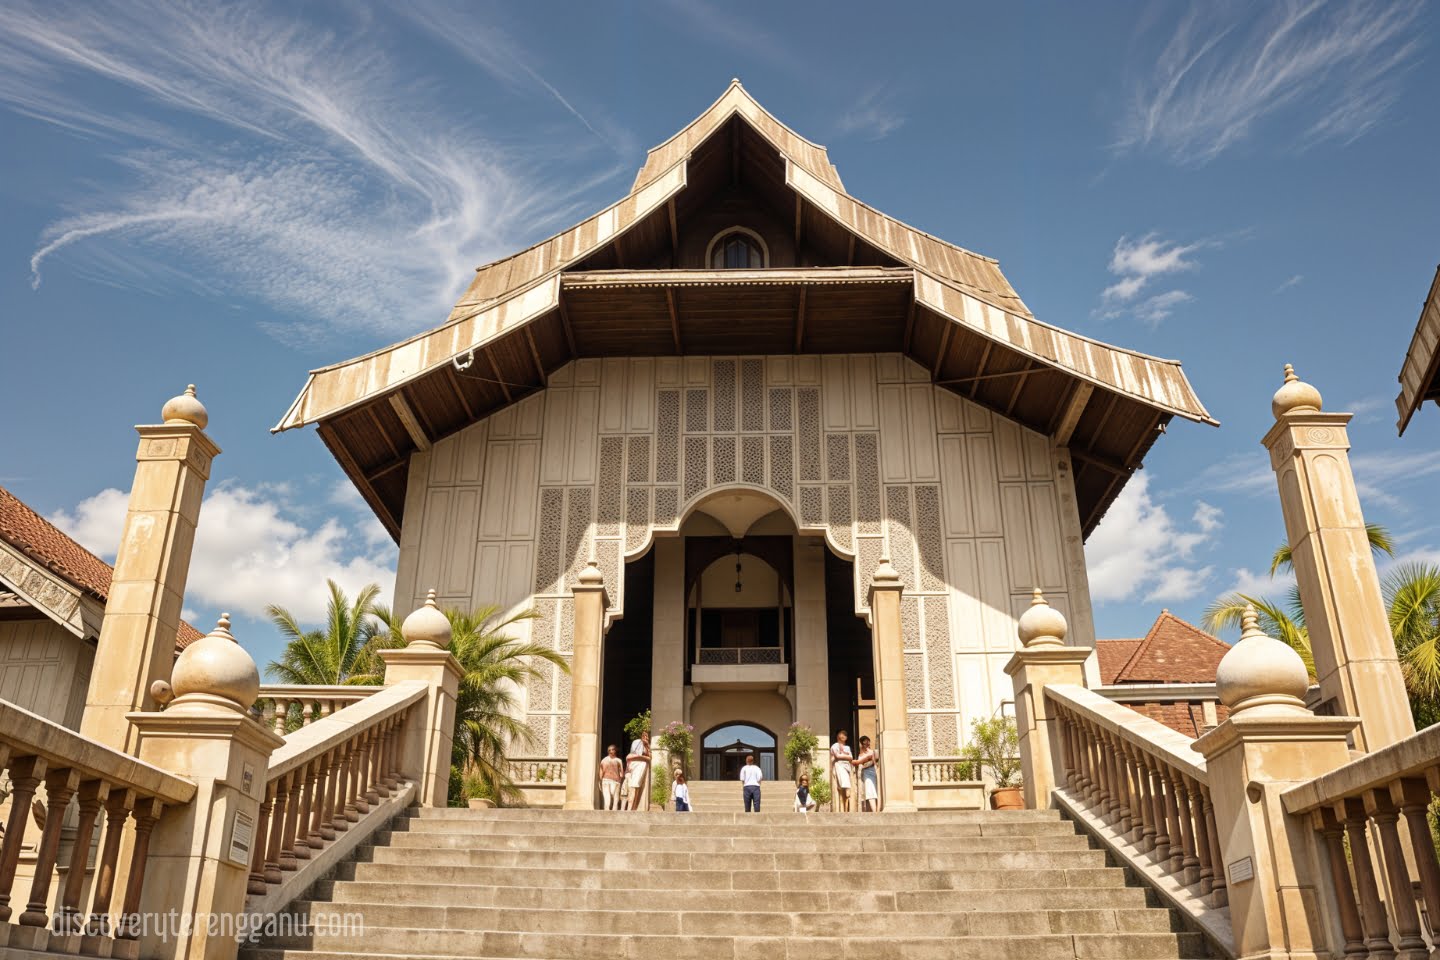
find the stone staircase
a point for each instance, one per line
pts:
(724, 796)
(592, 885)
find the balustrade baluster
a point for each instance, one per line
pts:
(1091, 787)
(1102, 782)
(117, 811)
(1333, 835)
(1067, 748)
(308, 710)
(372, 787)
(1413, 796)
(295, 784)
(1218, 895)
(255, 884)
(357, 779)
(1172, 823)
(392, 737)
(276, 841)
(338, 818)
(25, 777)
(1189, 869)
(145, 815)
(320, 811)
(1112, 782)
(1145, 834)
(1202, 836)
(60, 786)
(1386, 817)
(306, 806)
(1161, 850)
(1372, 911)
(91, 800)
(1132, 789)
(282, 713)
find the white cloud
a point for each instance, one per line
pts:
(1139, 550)
(1152, 310)
(1136, 263)
(873, 116)
(1294, 281)
(1254, 583)
(332, 185)
(1331, 69)
(250, 551)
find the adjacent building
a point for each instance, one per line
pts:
(1168, 674)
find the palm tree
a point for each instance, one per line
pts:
(1379, 537)
(1412, 598)
(344, 652)
(495, 665)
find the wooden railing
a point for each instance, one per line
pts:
(326, 777)
(533, 770)
(106, 785)
(1356, 811)
(309, 703)
(1143, 780)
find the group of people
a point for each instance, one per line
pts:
(622, 783)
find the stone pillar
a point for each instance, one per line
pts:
(585, 677)
(1043, 660)
(137, 638)
(1355, 659)
(812, 653)
(897, 792)
(1269, 743)
(198, 863)
(668, 648)
(426, 742)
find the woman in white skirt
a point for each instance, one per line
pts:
(840, 757)
(865, 762)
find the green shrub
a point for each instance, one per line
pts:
(639, 725)
(800, 746)
(995, 743)
(659, 790)
(967, 770)
(678, 740)
(819, 786)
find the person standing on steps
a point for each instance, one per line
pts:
(869, 789)
(804, 803)
(681, 791)
(637, 763)
(840, 757)
(610, 773)
(750, 777)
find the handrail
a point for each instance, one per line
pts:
(307, 743)
(316, 701)
(1410, 757)
(925, 770)
(1142, 779)
(739, 656)
(31, 735)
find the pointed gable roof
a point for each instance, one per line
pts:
(965, 323)
(1174, 651)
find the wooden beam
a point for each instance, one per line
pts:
(565, 325)
(960, 381)
(674, 234)
(535, 355)
(850, 255)
(619, 257)
(910, 325)
(1074, 408)
(980, 370)
(495, 369)
(734, 152)
(799, 223)
(941, 352)
(379, 472)
(1019, 385)
(380, 429)
(674, 319)
(1104, 463)
(1104, 418)
(800, 321)
(459, 394)
(357, 476)
(403, 410)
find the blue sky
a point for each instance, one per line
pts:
(232, 195)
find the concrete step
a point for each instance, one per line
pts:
(612, 840)
(358, 893)
(760, 825)
(702, 920)
(978, 876)
(927, 818)
(412, 942)
(758, 859)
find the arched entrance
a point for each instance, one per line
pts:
(723, 750)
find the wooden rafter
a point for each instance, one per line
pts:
(1019, 385)
(939, 353)
(674, 319)
(495, 369)
(569, 331)
(1105, 418)
(1070, 414)
(459, 394)
(1104, 463)
(850, 254)
(910, 325)
(383, 469)
(352, 469)
(961, 381)
(384, 434)
(674, 233)
(799, 221)
(411, 422)
(980, 369)
(800, 321)
(535, 355)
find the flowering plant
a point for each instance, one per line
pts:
(678, 740)
(800, 745)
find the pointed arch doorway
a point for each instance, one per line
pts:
(723, 750)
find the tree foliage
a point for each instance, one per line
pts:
(345, 651)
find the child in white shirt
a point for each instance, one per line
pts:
(681, 790)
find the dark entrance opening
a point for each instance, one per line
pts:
(724, 748)
(625, 684)
(852, 670)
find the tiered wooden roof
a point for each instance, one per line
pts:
(1420, 374)
(621, 283)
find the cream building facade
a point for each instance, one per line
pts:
(737, 390)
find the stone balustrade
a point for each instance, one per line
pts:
(106, 786)
(527, 771)
(739, 656)
(1143, 780)
(309, 703)
(926, 770)
(1384, 877)
(326, 778)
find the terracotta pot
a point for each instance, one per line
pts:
(480, 803)
(1007, 798)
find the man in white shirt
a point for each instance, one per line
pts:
(750, 776)
(637, 765)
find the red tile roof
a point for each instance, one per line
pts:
(52, 548)
(1172, 652)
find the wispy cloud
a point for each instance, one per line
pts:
(1330, 69)
(873, 116)
(1140, 551)
(1294, 281)
(1398, 481)
(1136, 263)
(279, 159)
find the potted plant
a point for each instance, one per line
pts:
(677, 739)
(800, 746)
(995, 743)
(819, 787)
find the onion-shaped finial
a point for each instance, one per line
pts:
(427, 626)
(1294, 395)
(215, 672)
(1260, 674)
(1042, 625)
(186, 408)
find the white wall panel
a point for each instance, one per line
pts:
(1019, 544)
(955, 488)
(555, 444)
(862, 392)
(582, 437)
(495, 503)
(525, 489)
(920, 406)
(984, 486)
(893, 435)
